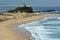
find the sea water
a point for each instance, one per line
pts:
(47, 28)
(6, 8)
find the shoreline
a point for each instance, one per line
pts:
(6, 26)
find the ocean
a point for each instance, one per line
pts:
(6, 8)
(47, 28)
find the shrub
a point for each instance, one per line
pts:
(22, 9)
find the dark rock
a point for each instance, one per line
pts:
(47, 10)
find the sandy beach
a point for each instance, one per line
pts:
(6, 32)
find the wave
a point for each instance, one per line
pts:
(41, 32)
(56, 11)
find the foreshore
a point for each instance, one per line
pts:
(6, 32)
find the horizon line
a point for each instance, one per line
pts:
(30, 5)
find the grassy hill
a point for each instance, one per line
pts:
(22, 9)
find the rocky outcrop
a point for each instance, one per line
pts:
(22, 9)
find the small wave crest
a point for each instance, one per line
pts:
(57, 11)
(41, 32)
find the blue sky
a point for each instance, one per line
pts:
(32, 2)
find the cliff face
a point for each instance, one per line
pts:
(22, 9)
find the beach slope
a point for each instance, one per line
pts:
(6, 32)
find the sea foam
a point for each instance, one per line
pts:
(41, 32)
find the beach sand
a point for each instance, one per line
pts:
(6, 32)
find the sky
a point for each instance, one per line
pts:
(49, 3)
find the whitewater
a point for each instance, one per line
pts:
(47, 28)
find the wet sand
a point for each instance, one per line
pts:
(7, 33)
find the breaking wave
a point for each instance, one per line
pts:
(45, 29)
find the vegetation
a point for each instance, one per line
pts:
(22, 9)
(1, 13)
(3, 20)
